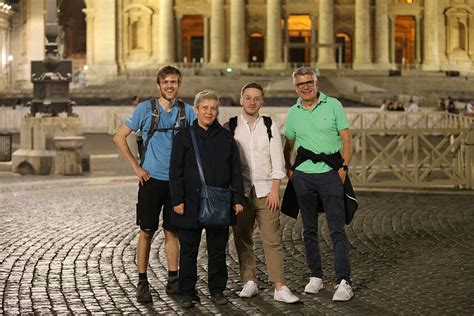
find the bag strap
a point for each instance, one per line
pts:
(155, 118)
(232, 124)
(267, 120)
(198, 155)
(180, 120)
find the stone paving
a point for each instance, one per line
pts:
(67, 246)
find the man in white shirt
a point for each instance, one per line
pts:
(413, 106)
(261, 155)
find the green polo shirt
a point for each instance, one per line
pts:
(317, 130)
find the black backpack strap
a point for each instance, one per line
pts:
(267, 120)
(232, 124)
(155, 118)
(180, 120)
(181, 115)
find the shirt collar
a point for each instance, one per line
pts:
(322, 98)
(243, 118)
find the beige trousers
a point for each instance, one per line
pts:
(270, 232)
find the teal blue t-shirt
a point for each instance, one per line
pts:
(317, 130)
(158, 152)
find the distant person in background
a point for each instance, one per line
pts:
(390, 106)
(135, 100)
(383, 106)
(400, 106)
(469, 108)
(18, 104)
(452, 107)
(413, 107)
(442, 105)
(81, 79)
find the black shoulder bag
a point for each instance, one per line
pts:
(215, 204)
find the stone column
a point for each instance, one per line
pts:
(237, 33)
(217, 33)
(166, 32)
(362, 35)
(179, 38)
(155, 30)
(273, 49)
(381, 35)
(314, 40)
(286, 51)
(418, 41)
(89, 11)
(392, 40)
(32, 36)
(326, 56)
(102, 43)
(206, 39)
(430, 25)
(5, 66)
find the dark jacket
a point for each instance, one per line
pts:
(290, 206)
(221, 167)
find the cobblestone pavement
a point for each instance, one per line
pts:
(67, 245)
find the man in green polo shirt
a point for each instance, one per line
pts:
(318, 123)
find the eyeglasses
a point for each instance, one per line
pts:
(169, 82)
(301, 85)
(250, 99)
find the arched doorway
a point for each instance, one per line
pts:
(299, 32)
(405, 37)
(193, 38)
(346, 48)
(256, 47)
(72, 38)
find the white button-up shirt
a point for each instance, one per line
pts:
(262, 160)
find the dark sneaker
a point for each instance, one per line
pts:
(172, 285)
(219, 299)
(186, 301)
(143, 293)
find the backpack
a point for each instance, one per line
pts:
(155, 119)
(267, 120)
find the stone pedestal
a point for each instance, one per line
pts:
(50, 145)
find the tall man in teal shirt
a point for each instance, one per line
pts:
(318, 123)
(153, 175)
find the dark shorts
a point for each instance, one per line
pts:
(153, 196)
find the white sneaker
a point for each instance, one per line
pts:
(343, 292)
(314, 285)
(284, 295)
(250, 289)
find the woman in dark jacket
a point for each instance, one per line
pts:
(221, 167)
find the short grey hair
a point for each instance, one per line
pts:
(206, 95)
(303, 71)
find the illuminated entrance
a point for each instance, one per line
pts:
(346, 44)
(73, 35)
(299, 31)
(256, 47)
(193, 38)
(405, 37)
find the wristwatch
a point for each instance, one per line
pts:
(345, 168)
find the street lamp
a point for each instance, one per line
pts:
(10, 74)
